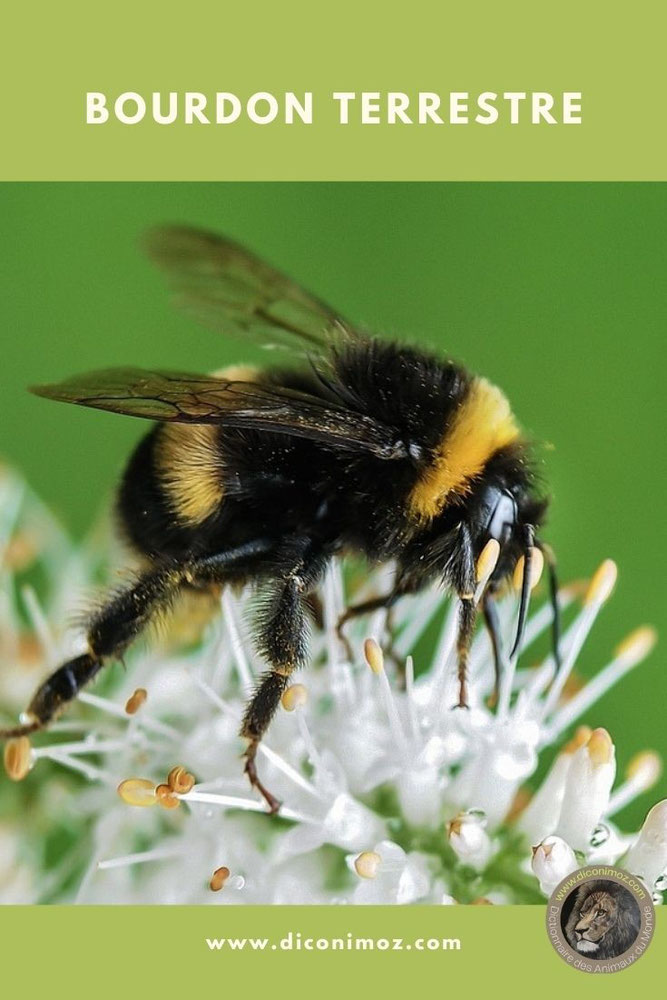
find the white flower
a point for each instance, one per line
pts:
(648, 855)
(388, 794)
(587, 788)
(388, 875)
(540, 817)
(552, 860)
(469, 840)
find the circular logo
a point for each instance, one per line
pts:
(600, 919)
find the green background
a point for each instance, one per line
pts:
(555, 291)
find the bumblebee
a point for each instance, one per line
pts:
(363, 446)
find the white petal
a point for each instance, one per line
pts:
(540, 816)
(587, 788)
(553, 859)
(648, 855)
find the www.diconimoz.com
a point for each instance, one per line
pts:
(297, 942)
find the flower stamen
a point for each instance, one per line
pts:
(135, 701)
(18, 758)
(138, 792)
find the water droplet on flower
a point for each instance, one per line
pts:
(600, 835)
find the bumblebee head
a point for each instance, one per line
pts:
(512, 515)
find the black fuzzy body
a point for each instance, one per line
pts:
(279, 487)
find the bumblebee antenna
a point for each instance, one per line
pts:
(553, 599)
(525, 589)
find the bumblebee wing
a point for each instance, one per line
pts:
(229, 289)
(201, 399)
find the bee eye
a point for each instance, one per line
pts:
(503, 517)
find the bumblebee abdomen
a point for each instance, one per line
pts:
(189, 468)
(172, 485)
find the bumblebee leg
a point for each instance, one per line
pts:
(467, 617)
(384, 601)
(120, 621)
(493, 628)
(316, 609)
(111, 630)
(256, 719)
(364, 608)
(283, 633)
(464, 583)
(57, 690)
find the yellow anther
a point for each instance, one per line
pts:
(487, 561)
(454, 826)
(645, 768)
(136, 700)
(295, 696)
(137, 792)
(20, 552)
(218, 879)
(536, 567)
(180, 781)
(580, 739)
(18, 757)
(374, 656)
(602, 584)
(636, 646)
(367, 863)
(600, 748)
(166, 798)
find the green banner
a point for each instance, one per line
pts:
(434, 91)
(297, 951)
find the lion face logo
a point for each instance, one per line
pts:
(598, 915)
(604, 921)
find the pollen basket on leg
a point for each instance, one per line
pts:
(482, 425)
(189, 465)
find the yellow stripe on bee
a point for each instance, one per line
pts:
(190, 469)
(189, 463)
(482, 425)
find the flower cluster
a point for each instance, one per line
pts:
(389, 795)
